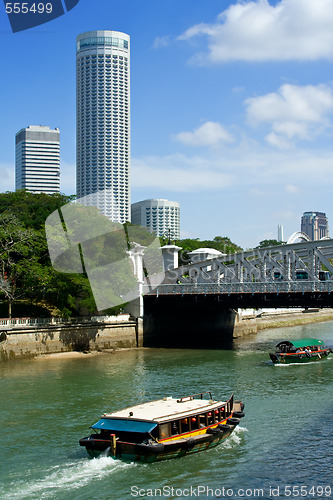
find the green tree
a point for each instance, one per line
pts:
(16, 254)
(32, 209)
(221, 243)
(269, 243)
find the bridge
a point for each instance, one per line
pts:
(203, 293)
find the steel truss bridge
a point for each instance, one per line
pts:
(265, 277)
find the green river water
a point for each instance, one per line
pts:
(282, 448)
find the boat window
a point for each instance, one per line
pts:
(164, 430)
(202, 420)
(175, 427)
(185, 425)
(210, 418)
(223, 412)
(217, 415)
(194, 423)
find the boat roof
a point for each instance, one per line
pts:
(301, 342)
(164, 410)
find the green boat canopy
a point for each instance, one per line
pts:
(122, 424)
(301, 342)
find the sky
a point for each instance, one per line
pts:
(231, 106)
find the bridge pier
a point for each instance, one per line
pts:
(191, 321)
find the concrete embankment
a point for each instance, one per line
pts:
(24, 341)
(248, 325)
(293, 318)
(31, 341)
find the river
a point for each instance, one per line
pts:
(283, 446)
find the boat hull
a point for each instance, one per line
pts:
(147, 453)
(286, 358)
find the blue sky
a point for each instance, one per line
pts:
(231, 106)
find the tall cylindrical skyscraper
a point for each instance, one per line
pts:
(103, 122)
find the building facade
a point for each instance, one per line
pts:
(37, 159)
(103, 122)
(315, 225)
(159, 216)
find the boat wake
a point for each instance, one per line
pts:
(64, 478)
(300, 364)
(235, 438)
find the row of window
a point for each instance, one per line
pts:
(101, 57)
(161, 208)
(105, 41)
(184, 425)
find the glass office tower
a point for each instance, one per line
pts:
(37, 159)
(315, 225)
(103, 122)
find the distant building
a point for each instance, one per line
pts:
(280, 233)
(315, 225)
(37, 162)
(159, 216)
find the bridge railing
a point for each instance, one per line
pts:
(244, 287)
(27, 322)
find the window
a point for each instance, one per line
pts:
(175, 427)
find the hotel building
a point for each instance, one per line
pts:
(159, 216)
(103, 122)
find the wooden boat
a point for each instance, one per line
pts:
(300, 351)
(166, 428)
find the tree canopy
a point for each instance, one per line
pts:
(221, 243)
(26, 272)
(25, 268)
(269, 243)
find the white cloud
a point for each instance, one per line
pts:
(294, 112)
(234, 167)
(179, 173)
(161, 41)
(208, 134)
(291, 189)
(258, 31)
(277, 141)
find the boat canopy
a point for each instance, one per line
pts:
(301, 342)
(127, 425)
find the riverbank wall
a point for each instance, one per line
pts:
(252, 322)
(28, 341)
(19, 341)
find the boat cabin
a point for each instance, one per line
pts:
(294, 346)
(165, 419)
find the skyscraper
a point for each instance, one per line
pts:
(315, 225)
(103, 122)
(159, 216)
(37, 161)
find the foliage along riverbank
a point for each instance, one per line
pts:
(28, 282)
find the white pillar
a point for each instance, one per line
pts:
(170, 256)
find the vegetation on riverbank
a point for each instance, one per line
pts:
(30, 286)
(26, 274)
